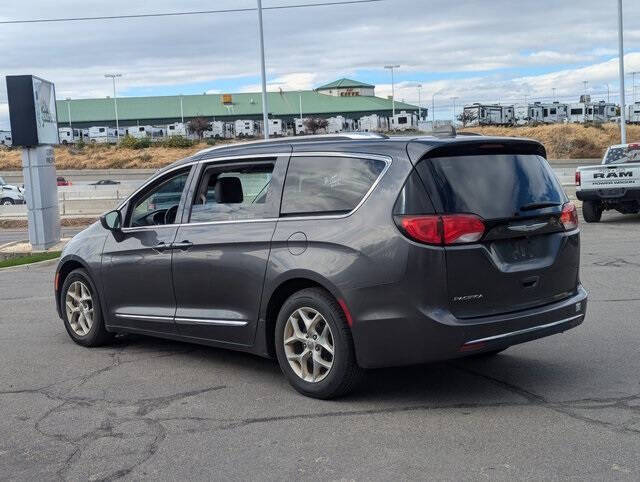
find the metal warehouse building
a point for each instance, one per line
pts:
(344, 97)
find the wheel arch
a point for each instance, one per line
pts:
(283, 288)
(65, 267)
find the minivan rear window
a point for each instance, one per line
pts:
(492, 186)
(327, 185)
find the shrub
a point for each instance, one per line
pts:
(177, 141)
(211, 141)
(128, 142)
(80, 144)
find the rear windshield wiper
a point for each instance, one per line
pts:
(538, 205)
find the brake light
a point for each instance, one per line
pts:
(578, 180)
(443, 230)
(569, 216)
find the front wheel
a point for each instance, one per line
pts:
(314, 345)
(7, 201)
(81, 310)
(591, 211)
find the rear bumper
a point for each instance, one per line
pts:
(629, 194)
(440, 336)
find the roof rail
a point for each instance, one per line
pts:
(305, 138)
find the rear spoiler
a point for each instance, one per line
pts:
(418, 149)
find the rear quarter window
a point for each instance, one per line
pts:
(491, 186)
(328, 185)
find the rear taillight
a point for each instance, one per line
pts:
(569, 216)
(442, 230)
(578, 178)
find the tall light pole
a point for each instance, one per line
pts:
(300, 106)
(393, 93)
(419, 86)
(454, 98)
(554, 93)
(623, 120)
(585, 83)
(433, 109)
(181, 110)
(115, 103)
(265, 105)
(69, 114)
(608, 94)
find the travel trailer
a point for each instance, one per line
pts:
(139, 132)
(300, 128)
(403, 121)
(336, 124)
(5, 138)
(633, 113)
(176, 129)
(373, 123)
(489, 114)
(69, 135)
(246, 128)
(276, 128)
(99, 135)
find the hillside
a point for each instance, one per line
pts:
(567, 141)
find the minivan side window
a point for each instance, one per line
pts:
(233, 192)
(327, 184)
(159, 205)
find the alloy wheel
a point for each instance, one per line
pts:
(79, 308)
(308, 344)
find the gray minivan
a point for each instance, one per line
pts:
(335, 254)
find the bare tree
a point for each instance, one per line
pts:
(198, 126)
(467, 116)
(315, 124)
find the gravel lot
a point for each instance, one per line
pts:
(567, 406)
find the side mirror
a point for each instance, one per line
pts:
(111, 220)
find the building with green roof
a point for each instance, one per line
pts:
(162, 110)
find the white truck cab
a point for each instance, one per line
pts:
(614, 184)
(10, 194)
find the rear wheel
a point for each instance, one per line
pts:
(7, 201)
(591, 211)
(81, 310)
(314, 345)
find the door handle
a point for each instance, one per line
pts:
(182, 246)
(160, 247)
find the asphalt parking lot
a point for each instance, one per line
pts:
(565, 407)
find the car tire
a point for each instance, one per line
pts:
(309, 351)
(81, 311)
(7, 201)
(591, 211)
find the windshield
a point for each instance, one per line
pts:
(622, 154)
(494, 186)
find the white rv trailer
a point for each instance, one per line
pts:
(300, 128)
(5, 138)
(99, 134)
(489, 114)
(633, 113)
(246, 128)
(217, 131)
(139, 131)
(276, 128)
(176, 129)
(403, 121)
(373, 123)
(69, 135)
(336, 124)
(554, 113)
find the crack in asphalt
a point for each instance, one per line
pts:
(145, 440)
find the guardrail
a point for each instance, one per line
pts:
(71, 206)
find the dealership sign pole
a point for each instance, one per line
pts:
(34, 126)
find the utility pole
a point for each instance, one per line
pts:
(115, 104)
(623, 120)
(69, 113)
(265, 106)
(433, 109)
(454, 98)
(393, 93)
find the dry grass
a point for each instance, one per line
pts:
(103, 156)
(568, 141)
(565, 141)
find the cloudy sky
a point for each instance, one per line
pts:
(476, 50)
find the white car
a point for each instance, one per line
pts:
(10, 194)
(614, 184)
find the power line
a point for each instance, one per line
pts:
(181, 14)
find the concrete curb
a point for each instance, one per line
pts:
(24, 267)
